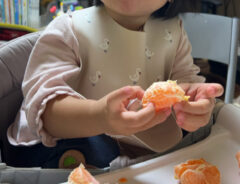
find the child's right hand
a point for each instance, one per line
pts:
(116, 119)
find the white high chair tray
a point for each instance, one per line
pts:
(219, 149)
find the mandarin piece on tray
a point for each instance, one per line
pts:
(164, 94)
(238, 158)
(81, 176)
(197, 172)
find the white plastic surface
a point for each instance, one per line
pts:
(219, 149)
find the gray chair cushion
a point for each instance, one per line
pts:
(13, 59)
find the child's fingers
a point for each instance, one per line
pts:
(149, 125)
(123, 94)
(215, 90)
(136, 119)
(199, 107)
(192, 122)
(209, 90)
(159, 118)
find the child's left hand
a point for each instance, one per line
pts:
(197, 111)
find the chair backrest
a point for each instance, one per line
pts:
(13, 59)
(215, 37)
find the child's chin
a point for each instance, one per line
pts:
(128, 7)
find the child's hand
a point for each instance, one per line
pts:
(197, 111)
(117, 119)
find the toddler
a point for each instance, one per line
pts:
(85, 69)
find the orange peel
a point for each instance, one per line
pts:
(81, 176)
(197, 171)
(164, 95)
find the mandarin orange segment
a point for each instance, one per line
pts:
(81, 176)
(190, 164)
(212, 174)
(197, 171)
(191, 176)
(164, 94)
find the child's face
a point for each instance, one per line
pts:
(134, 7)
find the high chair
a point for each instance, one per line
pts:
(215, 37)
(212, 37)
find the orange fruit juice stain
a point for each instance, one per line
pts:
(122, 180)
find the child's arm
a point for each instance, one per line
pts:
(54, 60)
(68, 117)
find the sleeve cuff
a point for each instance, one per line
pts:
(45, 137)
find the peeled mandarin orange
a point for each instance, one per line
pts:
(164, 94)
(81, 176)
(197, 172)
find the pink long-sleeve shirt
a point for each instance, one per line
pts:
(87, 54)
